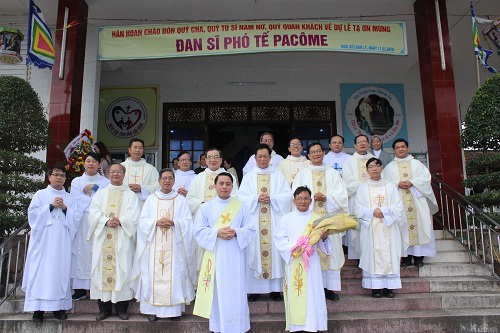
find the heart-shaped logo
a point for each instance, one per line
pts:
(126, 117)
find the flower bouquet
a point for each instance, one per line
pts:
(334, 223)
(76, 150)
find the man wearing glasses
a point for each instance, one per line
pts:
(203, 190)
(336, 157)
(52, 216)
(294, 162)
(142, 177)
(184, 175)
(354, 174)
(113, 216)
(329, 196)
(267, 139)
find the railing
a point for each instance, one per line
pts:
(467, 223)
(12, 259)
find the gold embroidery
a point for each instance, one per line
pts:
(381, 234)
(265, 228)
(406, 173)
(209, 187)
(108, 253)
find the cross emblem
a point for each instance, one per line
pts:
(379, 200)
(225, 218)
(135, 178)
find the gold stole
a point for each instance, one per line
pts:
(319, 207)
(205, 290)
(209, 193)
(295, 167)
(136, 179)
(163, 256)
(406, 173)
(265, 228)
(296, 299)
(108, 253)
(381, 234)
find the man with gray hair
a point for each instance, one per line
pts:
(267, 139)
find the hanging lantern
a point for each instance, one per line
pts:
(10, 45)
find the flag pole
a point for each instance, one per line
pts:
(63, 47)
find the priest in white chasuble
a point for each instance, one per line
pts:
(305, 304)
(113, 217)
(203, 190)
(164, 268)
(83, 189)
(354, 174)
(267, 195)
(266, 138)
(53, 216)
(223, 228)
(141, 177)
(184, 175)
(383, 234)
(294, 162)
(413, 180)
(329, 196)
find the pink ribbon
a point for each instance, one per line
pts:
(307, 250)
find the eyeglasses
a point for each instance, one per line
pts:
(361, 142)
(115, 172)
(215, 157)
(319, 151)
(301, 199)
(266, 140)
(185, 160)
(167, 178)
(374, 166)
(295, 144)
(58, 175)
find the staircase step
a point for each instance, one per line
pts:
(453, 269)
(449, 245)
(451, 256)
(352, 272)
(470, 300)
(464, 284)
(408, 321)
(410, 285)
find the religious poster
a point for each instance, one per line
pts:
(216, 38)
(373, 109)
(128, 112)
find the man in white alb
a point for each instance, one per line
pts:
(354, 174)
(329, 196)
(294, 162)
(267, 139)
(223, 228)
(164, 269)
(414, 182)
(267, 195)
(141, 177)
(114, 213)
(336, 157)
(184, 175)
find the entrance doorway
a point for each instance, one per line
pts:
(235, 128)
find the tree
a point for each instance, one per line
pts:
(24, 130)
(482, 133)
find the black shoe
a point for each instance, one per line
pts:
(102, 316)
(123, 315)
(419, 261)
(175, 318)
(376, 293)
(152, 318)
(79, 294)
(331, 295)
(388, 293)
(406, 262)
(38, 316)
(61, 315)
(276, 296)
(253, 297)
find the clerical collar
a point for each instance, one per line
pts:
(379, 182)
(97, 176)
(170, 195)
(219, 170)
(270, 169)
(296, 159)
(321, 167)
(225, 201)
(136, 162)
(338, 154)
(121, 187)
(184, 173)
(406, 159)
(56, 190)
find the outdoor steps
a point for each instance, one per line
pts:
(451, 296)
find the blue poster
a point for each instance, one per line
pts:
(373, 109)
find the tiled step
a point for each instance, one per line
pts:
(448, 245)
(464, 284)
(410, 285)
(452, 269)
(407, 321)
(354, 272)
(470, 300)
(451, 256)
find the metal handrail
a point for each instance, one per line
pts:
(468, 224)
(13, 248)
